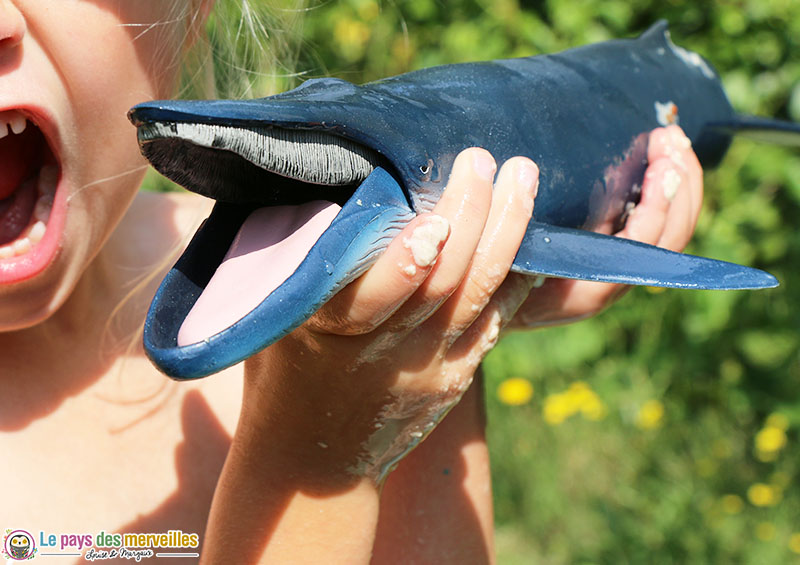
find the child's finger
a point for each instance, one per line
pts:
(647, 220)
(683, 186)
(685, 155)
(678, 228)
(482, 335)
(465, 205)
(510, 212)
(367, 302)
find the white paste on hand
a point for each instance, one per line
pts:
(425, 239)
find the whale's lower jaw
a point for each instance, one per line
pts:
(343, 249)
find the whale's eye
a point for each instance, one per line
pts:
(426, 170)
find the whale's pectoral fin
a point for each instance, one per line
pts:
(760, 129)
(231, 294)
(577, 254)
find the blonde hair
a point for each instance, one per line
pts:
(248, 49)
(244, 49)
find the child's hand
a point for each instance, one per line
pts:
(372, 373)
(331, 408)
(424, 513)
(666, 217)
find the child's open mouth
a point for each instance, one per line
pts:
(29, 175)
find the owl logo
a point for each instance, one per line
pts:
(19, 545)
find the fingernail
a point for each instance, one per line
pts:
(484, 165)
(528, 181)
(528, 176)
(670, 183)
(679, 139)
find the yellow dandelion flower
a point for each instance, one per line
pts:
(732, 503)
(515, 391)
(368, 11)
(765, 531)
(593, 408)
(778, 420)
(650, 415)
(557, 408)
(578, 398)
(760, 494)
(655, 289)
(794, 542)
(770, 439)
(584, 400)
(352, 36)
(576, 395)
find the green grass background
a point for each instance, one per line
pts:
(614, 485)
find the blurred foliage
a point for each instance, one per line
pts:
(666, 429)
(650, 433)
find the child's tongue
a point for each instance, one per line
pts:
(16, 211)
(17, 156)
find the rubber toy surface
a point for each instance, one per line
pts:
(582, 115)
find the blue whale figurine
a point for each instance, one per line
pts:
(383, 152)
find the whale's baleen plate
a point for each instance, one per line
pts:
(305, 155)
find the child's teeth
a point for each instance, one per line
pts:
(48, 180)
(42, 209)
(17, 123)
(37, 232)
(22, 246)
(13, 120)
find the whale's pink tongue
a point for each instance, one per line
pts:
(270, 245)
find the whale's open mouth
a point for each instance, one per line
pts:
(288, 186)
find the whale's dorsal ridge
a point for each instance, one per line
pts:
(657, 33)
